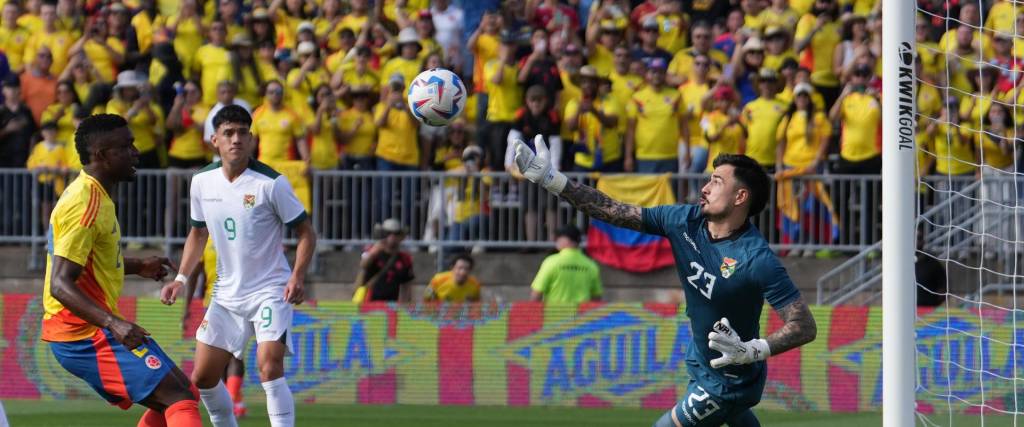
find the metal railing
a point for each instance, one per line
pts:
(448, 211)
(966, 221)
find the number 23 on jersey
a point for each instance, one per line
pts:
(701, 280)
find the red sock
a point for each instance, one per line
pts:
(234, 385)
(184, 413)
(152, 418)
(194, 390)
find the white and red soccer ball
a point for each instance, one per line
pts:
(437, 97)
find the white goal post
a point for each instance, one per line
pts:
(899, 218)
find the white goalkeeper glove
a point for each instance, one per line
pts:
(734, 351)
(536, 167)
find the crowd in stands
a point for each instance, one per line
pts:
(615, 85)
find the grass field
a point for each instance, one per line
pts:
(96, 414)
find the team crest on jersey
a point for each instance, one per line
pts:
(153, 362)
(728, 267)
(249, 201)
(204, 324)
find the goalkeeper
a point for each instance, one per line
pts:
(727, 271)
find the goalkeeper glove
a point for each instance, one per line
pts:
(734, 351)
(536, 167)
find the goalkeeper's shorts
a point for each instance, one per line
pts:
(698, 408)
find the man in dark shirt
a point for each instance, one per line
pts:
(16, 126)
(648, 48)
(386, 271)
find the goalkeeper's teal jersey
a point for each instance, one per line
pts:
(729, 278)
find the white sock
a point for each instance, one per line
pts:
(280, 405)
(218, 403)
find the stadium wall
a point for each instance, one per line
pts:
(592, 355)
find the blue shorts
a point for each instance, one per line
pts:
(120, 375)
(698, 408)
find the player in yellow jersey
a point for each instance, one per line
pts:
(84, 277)
(455, 285)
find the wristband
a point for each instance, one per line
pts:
(554, 182)
(761, 349)
(181, 278)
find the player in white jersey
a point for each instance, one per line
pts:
(245, 206)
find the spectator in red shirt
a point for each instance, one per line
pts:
(553, 16)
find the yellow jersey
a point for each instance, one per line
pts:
(594, 135)
(408, 68)
(801, 148)
(817, 56)
(64, 116)
(214, 66)
(188, 144)
(954, 155)
(692, 94)
(370, 78)
(360, 143)
(657, 114)
(146, 128)
(992, 149)
(861, 119)
(85, 231)
(505, 97)
(1001, 16)
(682, 63)
(12, 43)
(48, 156)
(786, 18)
(188, 38)
(671, 36)
(602, 60)
(443, 288)
(761, 118)
(101, 59)
(323, 152)
(59, 43)
(396, 139)
(730, 138)
(278, 132)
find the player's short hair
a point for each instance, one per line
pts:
(750, 174)
(463, 257)
(92, 129)
(232, 114)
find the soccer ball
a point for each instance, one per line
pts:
(437, 97)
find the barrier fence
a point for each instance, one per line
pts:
(519, 354)
(490, 210)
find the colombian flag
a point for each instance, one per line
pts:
(626, 249)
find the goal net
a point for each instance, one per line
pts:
(969, 355)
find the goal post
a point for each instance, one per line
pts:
(898, 221)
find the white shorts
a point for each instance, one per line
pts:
(230, 330)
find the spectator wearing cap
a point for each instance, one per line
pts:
(305, 32)
(278, 129)
(303, 81)
(780, 15)
(38, 85)
(261, 27)
(50, 37)
(247, 71)
(777, 47)
(552, 16)
(648, 49)
(425, 30)
(602, 37)
(187, 27)
(484, 44)
(761, 119)
(742, 72)
(386, 270)
(859, 110)
(397, 148)
(213, 62)
(624, 81)
(16, 128)
(13, 36)
(105, 53)
(594, 120)
(694, 94)
(803, 136)
(49, 160)
(681, 66)
(185, 121)
(505, 96)
(856, 43)
(655, 139)
(468, 192)
(408, 63)
(133, 100)
(721, 128)
(539, 67)
(569, 276)
(538, 117)
(816, 37)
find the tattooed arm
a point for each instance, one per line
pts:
(798, 330)
(599, 206)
